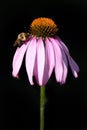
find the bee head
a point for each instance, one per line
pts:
(22, 36)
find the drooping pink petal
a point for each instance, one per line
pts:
(35, 70)
(58, 60)
(49, 62)
(61, 42)
(73, 64)
(65, 67)
(40, 60)
(18, 58)
(30, 59)
(15, 56)
(65, 63)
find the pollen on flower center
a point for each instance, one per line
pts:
(43, 27)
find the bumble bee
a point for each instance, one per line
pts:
(21, 38)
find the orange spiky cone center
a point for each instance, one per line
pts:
(43, 27)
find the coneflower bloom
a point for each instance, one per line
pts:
(44, 52)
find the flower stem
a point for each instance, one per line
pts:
(42, 106)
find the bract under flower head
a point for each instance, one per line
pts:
(43, 27)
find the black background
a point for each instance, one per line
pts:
(66, 106)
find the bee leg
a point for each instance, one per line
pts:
(14, 44)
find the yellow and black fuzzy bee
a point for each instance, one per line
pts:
(21, 38)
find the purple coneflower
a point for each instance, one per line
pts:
(44, 52)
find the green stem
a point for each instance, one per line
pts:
(42, 106)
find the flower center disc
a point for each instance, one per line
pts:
(43, 27)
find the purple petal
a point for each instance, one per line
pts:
(63, 45)
(49, 63)
(40, 60)
(18, 58)
(73, 64)
(58, 60)
(15, 56)
(65, 67)
(30, 59)
(35, 69)
(65, 63)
